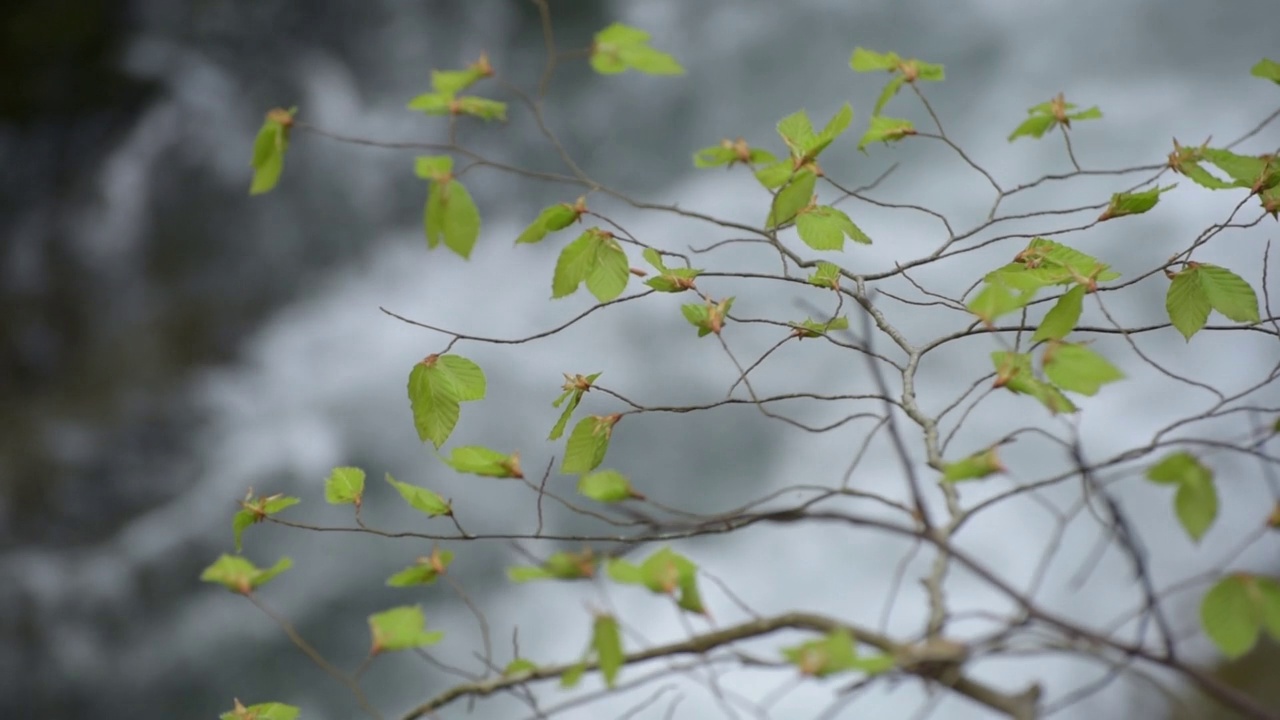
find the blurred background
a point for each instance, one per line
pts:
(168, 342)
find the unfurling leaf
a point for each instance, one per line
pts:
(401, 628)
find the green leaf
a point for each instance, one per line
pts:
(1077, 368)
(268, 150)
(1187, 304)
(255, 510)
(797, 133)
(1196, 501)
(995, 299)
(556, 217)
(1228, 293)
(433, 217)
(864, 60)
(619, 47)
(421, 499)
(1267, 69)
(775, 175)
(423, 572)
(1035, 126)
(464, 380)
(812, 328)
(624, 572)
(596, 258)
(401, 628)
(261, 711)
(886, 130)
(574, 388)
(433, 103)
(890, 90)
(587, 445)
(670, 573)
(460, 219)
(1046, 254)
(834, 128)
(1246, 170)
(714, 156)
(1062, 318)
(1134, 203)
(791, 199)
(1179, 468)
(344, 486)
(1013, 372)
(607, 486)
(434, 404)
(452, 82)
(825, 275)
(830, 654)
(1093, 113)
(483, 108)
(1196, 505)
(560, 566)
(239, 575)
(824, 228)
(477, 460)
(708, 317)
(1230, 616)
(975, 467)
(436, 168)
(1269, 592)
(519, 666)
(606, 640)
(573, 675)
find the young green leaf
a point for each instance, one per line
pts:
(452, 82)
(823, 227)
(556, 217)
(421, 499)
(268, 150)
(1257, 173)
(483, 108)
(1267, 69)
(437, 386)
(1013, 372)
(812, 328)
(797, 133)
(462, 378)
(606, 640)
(708, 317)
(261, 711)
(587, 444)
(519, 666)
(344, 486)
(1196, 500)
(482, 461)
(423, 572)
(670, 573)
(1048, 115)
(401, 628)
(239, 575)
(607, 486)
(622, 571)
(830, 654)
(435, 168)
(619, 47)
(975, 467)
(459, 218)
(864, 60)
(775, 175)
(1035, 127)
(1228, 293)
(825, 275)
(574, 388)
(596, 258)
(1196, 505)
(996, 299)
(1077, 368)
(573, 675)
(1134, 203)
(1230, 614)
(1062, 318)
(255, 510)
(791, 199)
(1187, 304)
(560, 566)
(886, 130)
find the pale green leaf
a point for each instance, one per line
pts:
(1187, 304)
(1078, 368)
(344, 485)
(1062, 318)
(401, 628)
(421, 499)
